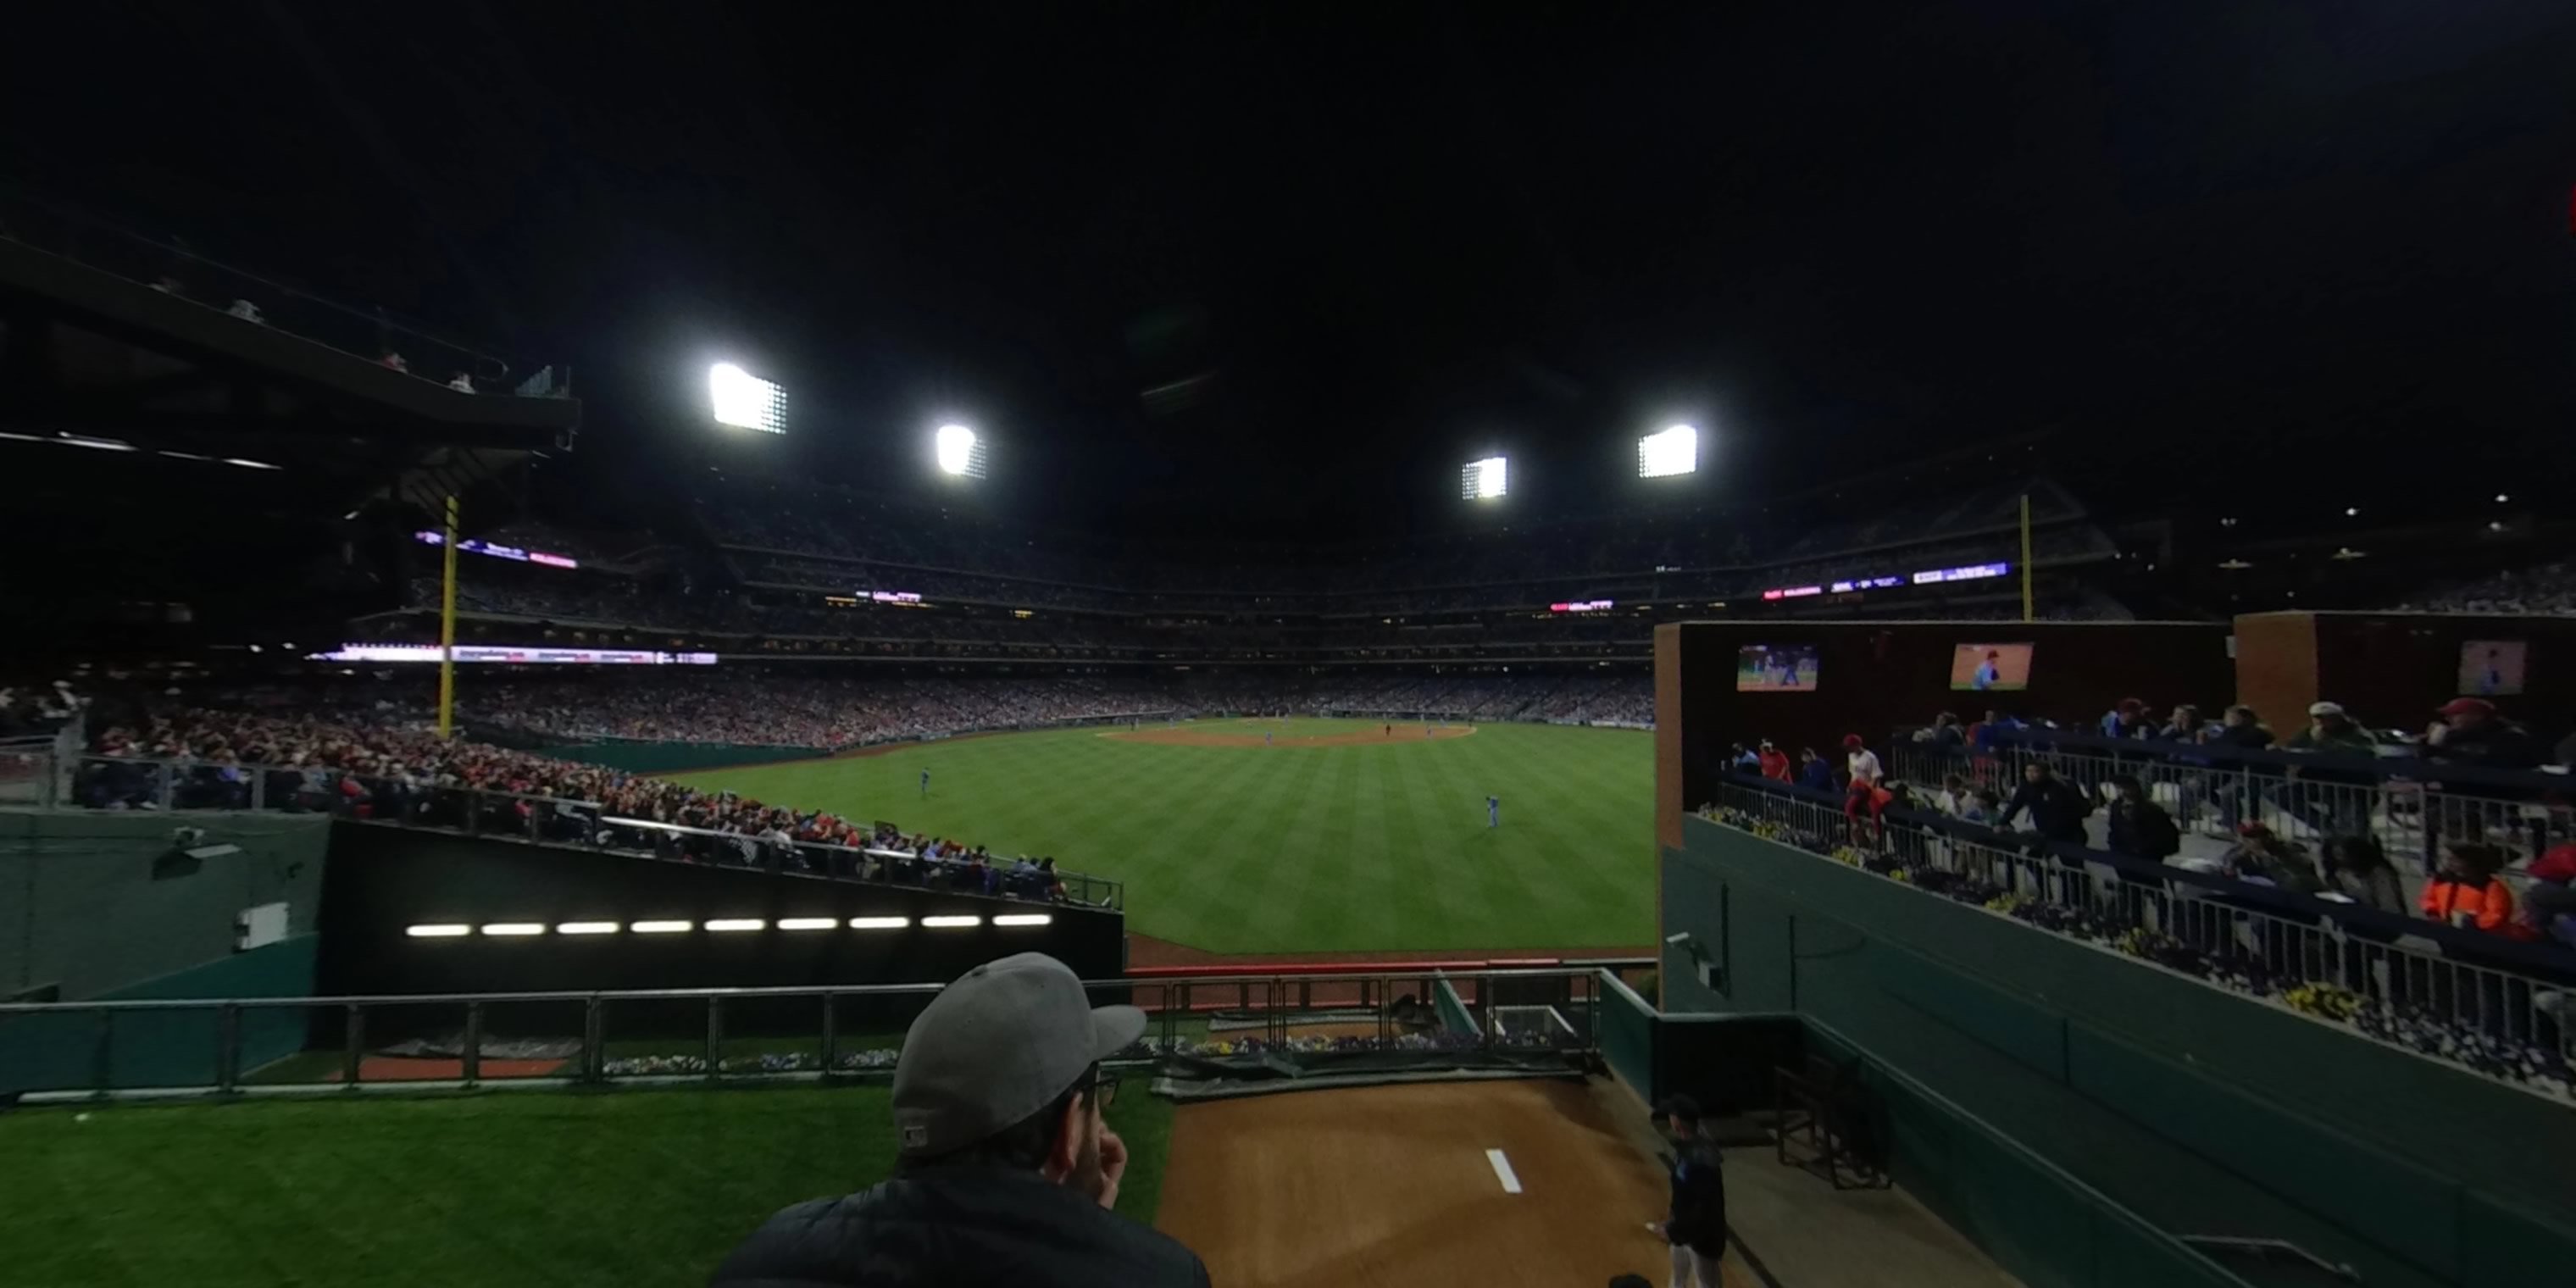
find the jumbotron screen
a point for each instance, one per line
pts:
(1483, 480)
(1990, 668)
(1775, 668)
(2491, 668)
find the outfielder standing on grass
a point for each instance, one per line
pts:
(1493, 811)
(925, 784)
(1696, 1227)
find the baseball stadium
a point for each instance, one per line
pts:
(1041, 714)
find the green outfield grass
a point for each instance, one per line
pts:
(1294, 849)
(617, 1189)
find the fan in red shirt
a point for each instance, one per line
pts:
(1775, 762)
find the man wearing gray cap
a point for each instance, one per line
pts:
(1007, 1172)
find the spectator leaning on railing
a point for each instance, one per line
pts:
(2057, 810)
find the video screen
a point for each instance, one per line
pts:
(1775, 668)
(1990, 668)
(2491, 668)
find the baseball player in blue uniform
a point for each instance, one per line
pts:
(925, 784)
(1493, 811)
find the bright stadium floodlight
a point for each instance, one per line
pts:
(1672, 451)
(1482, 480)
(959, 451)
(746, 401)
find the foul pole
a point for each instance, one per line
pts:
(447, 626)
(2026, 614)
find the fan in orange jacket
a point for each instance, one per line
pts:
(2467, 893)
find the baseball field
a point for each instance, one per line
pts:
(1297, 836)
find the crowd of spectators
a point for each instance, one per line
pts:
(820, 537)
(500, 603)
(395, 769)
(2548, 590)
(783, 552)
(2250, 923)
(35, 710)
(757, 708)
(2322, 828)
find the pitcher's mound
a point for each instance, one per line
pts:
(1350, 738)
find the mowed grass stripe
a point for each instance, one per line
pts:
(641, 1189)
(1251, 844)
(1291, 848)
(1339, 884)
(1178, 845)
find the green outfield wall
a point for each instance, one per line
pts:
(98, 906)
(2203, 1111)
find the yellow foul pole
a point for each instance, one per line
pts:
(2027, 614)
(447, 623)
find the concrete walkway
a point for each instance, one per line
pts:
(1800, 1232)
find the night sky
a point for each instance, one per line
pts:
(1270, 271)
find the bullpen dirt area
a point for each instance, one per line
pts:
(1433, 1183)
(1237, 738)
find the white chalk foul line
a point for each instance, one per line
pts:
(1503, 1171)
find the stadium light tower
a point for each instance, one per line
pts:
(1483, 480)
(959, 451)
(1668, 452)
(746, 401)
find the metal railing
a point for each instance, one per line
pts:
(2411, 806)
(27, 770)
(130, 783)
(720, 1034)
(2502, 1009)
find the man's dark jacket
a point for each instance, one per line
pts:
(2056, 809)
(1698, 1218)
(963, 1226)
(2142, 829)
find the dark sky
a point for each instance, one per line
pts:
(2247, 245)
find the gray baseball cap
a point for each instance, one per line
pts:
(996, 1046)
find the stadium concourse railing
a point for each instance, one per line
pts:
(2412, 805)
(2501, 1008)
(838, 1030)
(130, 783)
